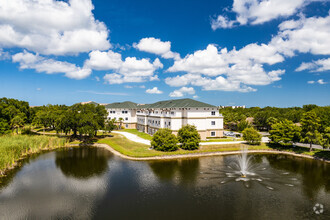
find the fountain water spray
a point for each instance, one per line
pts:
(244, 162)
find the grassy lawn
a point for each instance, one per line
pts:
(225, 139)
(139, 133)
(133, 149)
(14, 147)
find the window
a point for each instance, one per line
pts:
(212, 122)
(212, 133)
(113, 112)
(126, 119)
(126, 125)
(126, 112)
(213, 113)
(169, 123)
(172, 113)
(123, 112)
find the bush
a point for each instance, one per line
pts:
(27, 130)
(251, 136)
(189, 137)
(164, 140)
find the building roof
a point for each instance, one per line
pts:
(173, 103)
(122, 105)
(178, 103)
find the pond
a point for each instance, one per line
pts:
(92, 183)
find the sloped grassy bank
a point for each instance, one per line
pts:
(15, 147)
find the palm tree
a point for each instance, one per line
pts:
(17, 122)
(120, 122)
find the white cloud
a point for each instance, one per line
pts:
(142, 87)
(40, 64)
(239, 67)
(320, 81)
(154, 90)
(183, 91)
(129, 70)
(38, 89)
(195, 96)
(104, 60)
(156, 46)
(51, 27)
(128, 87)
(97, 78)
(306, 35)
(259, 11)
(315, 66)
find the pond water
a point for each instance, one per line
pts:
(92, 183)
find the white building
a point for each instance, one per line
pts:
(172, 114)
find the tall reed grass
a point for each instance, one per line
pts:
(14, 147)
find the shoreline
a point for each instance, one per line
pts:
(206, 154)
(4, 172)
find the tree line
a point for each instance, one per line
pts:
(78, 119)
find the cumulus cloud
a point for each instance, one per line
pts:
(258, 12)
(156, 46)
(182, 92)
(238, 67)
(315, 66)
(51, 27)
(129, 70)
(154, 90)
(28, 60)
(305, 35)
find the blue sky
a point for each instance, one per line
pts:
(242, 52)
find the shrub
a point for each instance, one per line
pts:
(285, 133)
(189, 137)
(164, 140)
(251, 136)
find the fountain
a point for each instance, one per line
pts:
(244, 162)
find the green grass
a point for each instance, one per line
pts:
(133, 149)
(223, 140)
(302, 150)
(14, 147)
(139, 133)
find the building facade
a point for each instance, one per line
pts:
(172, 114)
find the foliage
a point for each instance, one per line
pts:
(110, 125)
(310, 124)
(325, 142)
(251, 136)
(189, 137)
(264, 117)
(10, 109)
(13, 147)
(242, 125)
(285, 133)
(164, 140)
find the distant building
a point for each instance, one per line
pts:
(232, 106)
(172, 114)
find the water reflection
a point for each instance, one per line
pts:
(82, 162)
(185, 170)
(315, 174)
(91, 183)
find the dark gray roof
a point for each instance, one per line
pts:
(178, 103)
(122, 105)
(173, 103)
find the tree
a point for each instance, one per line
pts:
(271, 121)
(251, 136)
(120, 122)
(189, 137)
(285, 133)
(325, 142)
(17, 122)
(242, 125)
(4, 126)
(310, 124)
(164, 140)
(110, 125)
